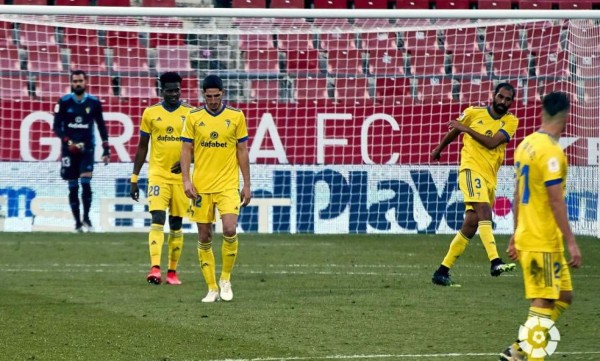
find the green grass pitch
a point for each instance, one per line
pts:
(297, 297)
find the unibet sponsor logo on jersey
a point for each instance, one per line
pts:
(213, 144)
(78, 125)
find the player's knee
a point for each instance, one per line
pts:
(566, 297)
(175, 223)
(159, 217)
(73, 184)
(229, 231)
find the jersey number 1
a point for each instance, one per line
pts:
(523, 174)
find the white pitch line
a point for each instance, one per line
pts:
(396, 356)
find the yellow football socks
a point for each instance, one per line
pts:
(207, 264)
(487, 238)
(156, 238)
(542, 313)
(457, 247)
(229, 251)
(559, 308)
(175, 247)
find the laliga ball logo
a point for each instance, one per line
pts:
(539, 337)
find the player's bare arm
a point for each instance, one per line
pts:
(244, 164)
(559, 209)
(138, 163)
(448, 138)
(185, 162)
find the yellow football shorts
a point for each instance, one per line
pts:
(545, 274)
(163, 196)
(202, 210)
(475, 188)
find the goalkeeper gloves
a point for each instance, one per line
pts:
(106, 147)
(75, 148)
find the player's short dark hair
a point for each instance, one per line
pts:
(212, 82)
(79, 72)
(169, 77)
(555, 102)
(506, 86)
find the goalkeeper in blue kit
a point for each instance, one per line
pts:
(74, 117)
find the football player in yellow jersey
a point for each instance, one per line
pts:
(216, 134)
(486, 132)
(162, 125)
(541, 222)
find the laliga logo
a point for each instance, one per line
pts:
(539, 337)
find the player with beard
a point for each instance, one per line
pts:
(486, 130)
(162, 124)
(74, 118)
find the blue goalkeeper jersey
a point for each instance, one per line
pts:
(75, 119)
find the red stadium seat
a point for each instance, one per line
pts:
(512, 64)
(370, 4)
(502, 38)
(165, 38)
(9, 58)
(311, 89)
(6, 33)
(330, 4)
(588, 66)
(72, 2)
(412, 4)
(348, 62)
(294, 34)
(394, 91)
(369, 23)
(452, 4)
(544, 39)
(190, 89)
(434, 90)
(494, 4)
(264, 90)
(295, 41)
(529, 91)
(591, 92)
(421, 40)
(264, 61)
(138, 87)
(159, 3)
(333, 24)
(535, 5)
(427, 63)
(249, 4)
(250, 39)
(461, 40)
(44, 59)
(584, 40)
(575, 4)
(552, 65)
(476, 92)
(130, 60)
(14, 87)
(30, 2)
(101, 86)
(375, 41)
(302, 61)
(566, 86)
(34, 34)
(122, 39)
(388, 63)
(469, 64)
(52, 87)
(287, 4)
(113, 3)
(77, 36)
(90, 59)
(351, 90)
(337, 41)
(173, 58)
